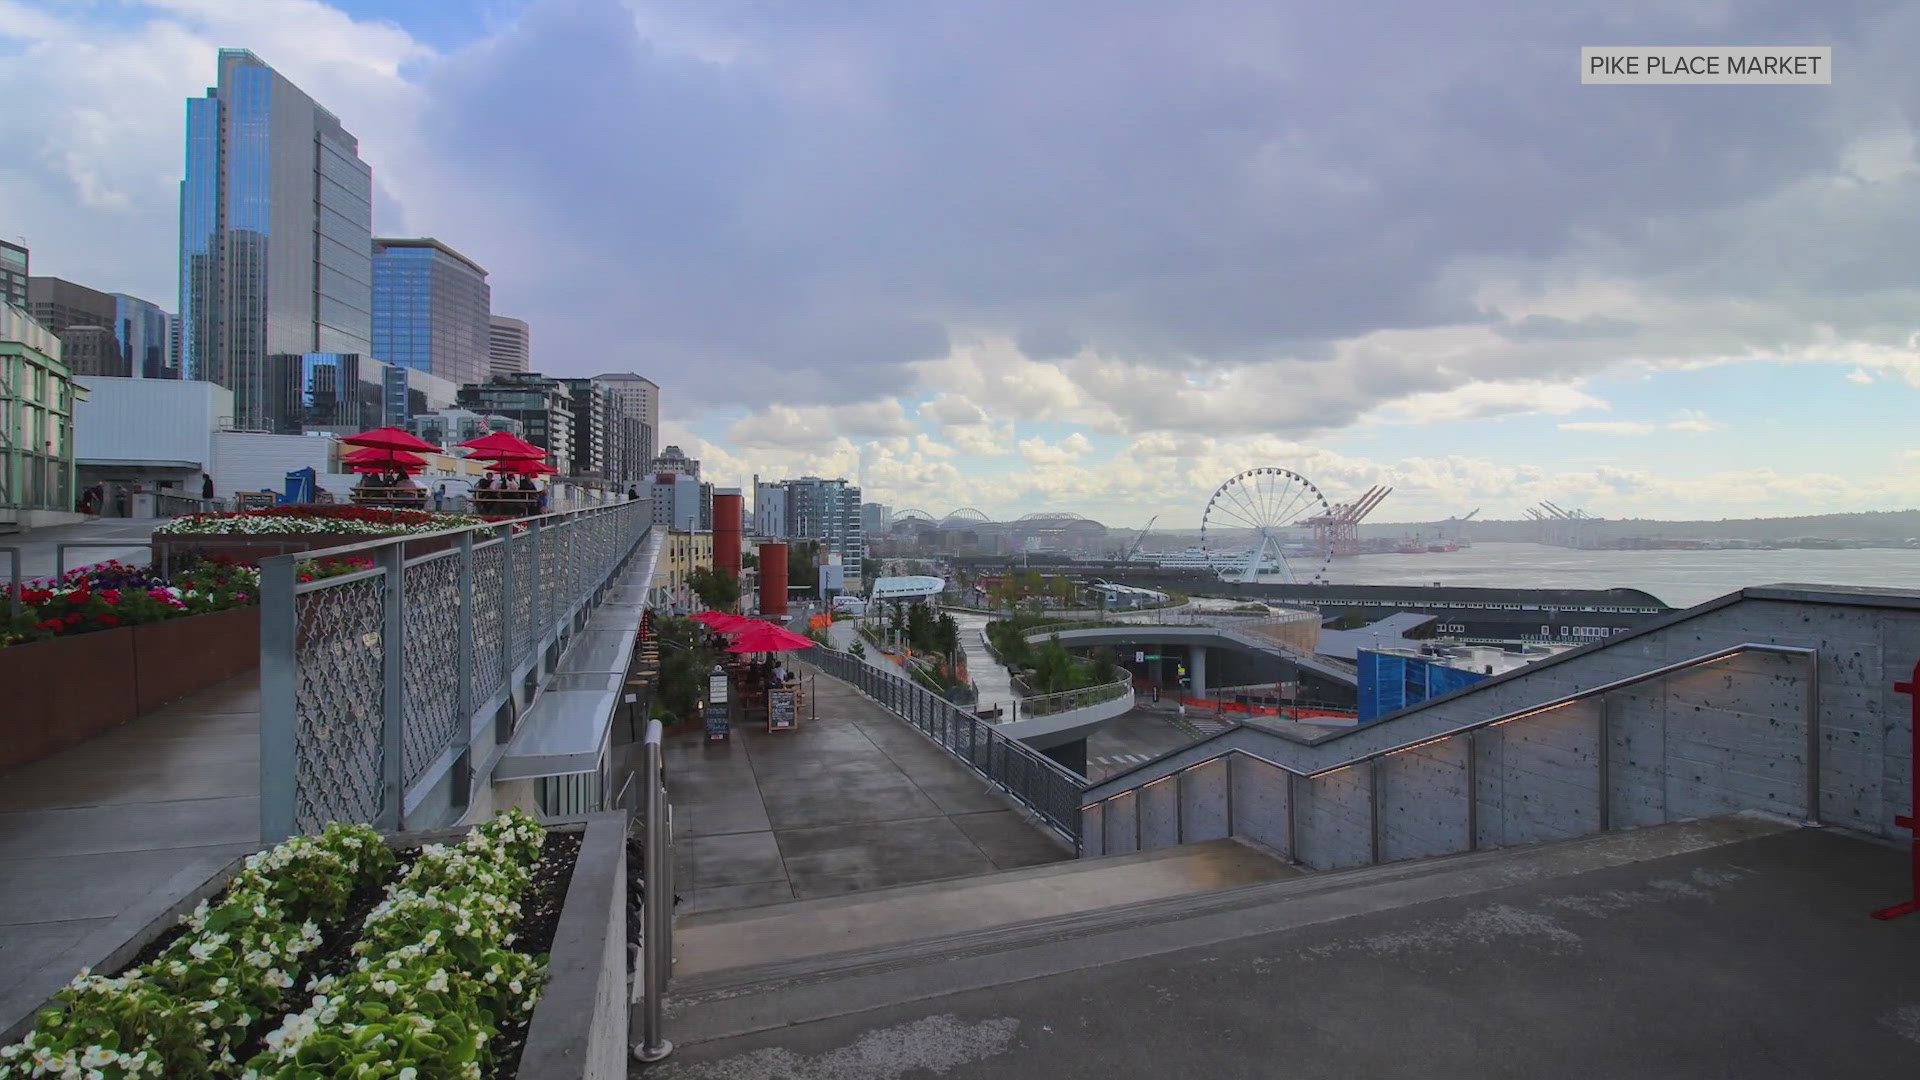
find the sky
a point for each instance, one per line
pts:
(1094, 257)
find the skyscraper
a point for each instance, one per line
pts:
(143, 331)
(13, 274)
(276, 237)
(509, 347)
(639, 399)
(430, 309)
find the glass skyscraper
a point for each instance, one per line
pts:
(276, 227)
(430, 309)
(142, 329)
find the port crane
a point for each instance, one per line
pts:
(1339, 531)
(1134, 549)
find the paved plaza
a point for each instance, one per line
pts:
(856, 799)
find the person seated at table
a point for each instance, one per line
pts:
(486, 483)
(779, 673)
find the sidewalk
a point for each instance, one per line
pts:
(854, 800)
(95, 840)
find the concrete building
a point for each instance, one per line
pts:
(92, 350)
(676, 501)
(430, 309)
(874, 518)
(509, 346)
(672, 460)
(37, 396)
(769, 510)
(154, 433)
(276, 237)
(812, 508)
(683, 553)
(543, 407)
(639, 397)
(57, 304)
(597, 433)
(14, 262)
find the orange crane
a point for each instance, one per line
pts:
(1339, 531)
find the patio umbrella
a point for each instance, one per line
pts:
(522, 467)
(501, 445)
(391, 438)
(380, 467)
(766, 637)
(724, 622)
(398, 459)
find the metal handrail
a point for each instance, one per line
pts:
(1813, 719)
(1044, 704)
(656, 903)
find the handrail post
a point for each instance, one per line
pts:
(1813, 739)
(279, 701)
(656, 914)
(393, 712)
(461, 737)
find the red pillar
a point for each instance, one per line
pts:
(726, 533)
(773, 579)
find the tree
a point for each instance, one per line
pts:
(717, 588)
(1105, 668)
(920, 628)
(749, 560)
(803, 566)
(947, 637)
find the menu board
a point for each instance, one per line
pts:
(717, 726)
(780, 710)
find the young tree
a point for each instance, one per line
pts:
(717, 588)
(947, 637)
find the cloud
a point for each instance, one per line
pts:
(1612, 427)
(1692, 420)
(813, 425)
(1040, 452)
(1860, 377)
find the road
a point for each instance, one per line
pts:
(993, 681)
(1134, 738)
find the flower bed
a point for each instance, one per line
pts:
(357, 521)
(330, 956)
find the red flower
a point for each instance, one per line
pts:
(54, 625)
(109, 620)
(73, 620)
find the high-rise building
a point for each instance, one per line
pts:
(92, 350)
(13, 274)
(874, 518)
(595, 435)
(509, 346)
(673, 460)
(542, 405)
(811, 508)
(144, 334)
(57, 303)
(639, 400)
(430, 309)
(676, 501)
(276, 237)
(37, 395)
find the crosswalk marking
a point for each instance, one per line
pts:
(1122, 759)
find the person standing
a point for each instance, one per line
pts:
(206, 486)
(439, 497)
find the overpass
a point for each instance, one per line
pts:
(1249, 653)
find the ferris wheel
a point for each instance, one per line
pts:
(1256, 528)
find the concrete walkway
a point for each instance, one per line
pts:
(854, 800)
(38, 554)
(95, 840)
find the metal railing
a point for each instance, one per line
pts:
(374, 685)
(1046, 787)
(1811, 753)
(172, 504)
(656, 901)
(1068, 700)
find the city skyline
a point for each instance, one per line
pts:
(1105, 278)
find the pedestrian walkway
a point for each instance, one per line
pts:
(96, 841)
(123, 539)
(856, 799)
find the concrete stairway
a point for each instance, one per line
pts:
(749, 945)
(757, 969)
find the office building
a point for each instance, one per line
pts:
(13, 275)
(639, 399)
(57, 304)
(673, 460)
(430, 309)
(509, 346)
(144, 333)
(37, 395)
(451, 427)
(811, 508)
(676, 501)
(595, 449)
(92, 350)
(543, 406)
(874, 518)
(276, 238)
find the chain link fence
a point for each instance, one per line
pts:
(1044, 786)
(374, 685)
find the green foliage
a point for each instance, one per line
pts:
(686, 659)
(803, 567)
(718, 589)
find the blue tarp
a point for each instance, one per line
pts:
(300, 484)
(1390, 683)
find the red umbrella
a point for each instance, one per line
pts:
(375, 456)
(390, 438)
(522, 467)
(724, 622)
(376, 467)
(766, 637)
(500, 446)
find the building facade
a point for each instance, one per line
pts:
(672, 460)
(509, 346)
(638, 398)
(430, 309)
(676, 502)
(145, 335)
(37, 397)
(276, 237)
(683, 553)
(812, 508)
(543, 407)
(451, 427)
(92, 350)
(874, 518)
(156, 434)
(595, 439)
(57, 304)
(14, 263)
(140, 328)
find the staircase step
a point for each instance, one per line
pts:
(803, 931)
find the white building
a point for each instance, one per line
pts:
(509, 346)
(155, 433)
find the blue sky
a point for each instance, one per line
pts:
(1079, 256)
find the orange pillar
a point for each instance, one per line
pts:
(773, 579)
(726, 533)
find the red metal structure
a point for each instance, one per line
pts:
(1910, 820)
(773, 579)
(727, 511)
(1339, 531)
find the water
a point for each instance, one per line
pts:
(1677, 578)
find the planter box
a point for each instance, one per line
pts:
(579, 1026)
(171, 548)
(68, 690)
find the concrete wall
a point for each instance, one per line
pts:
(1711, 740)
(149, 420)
